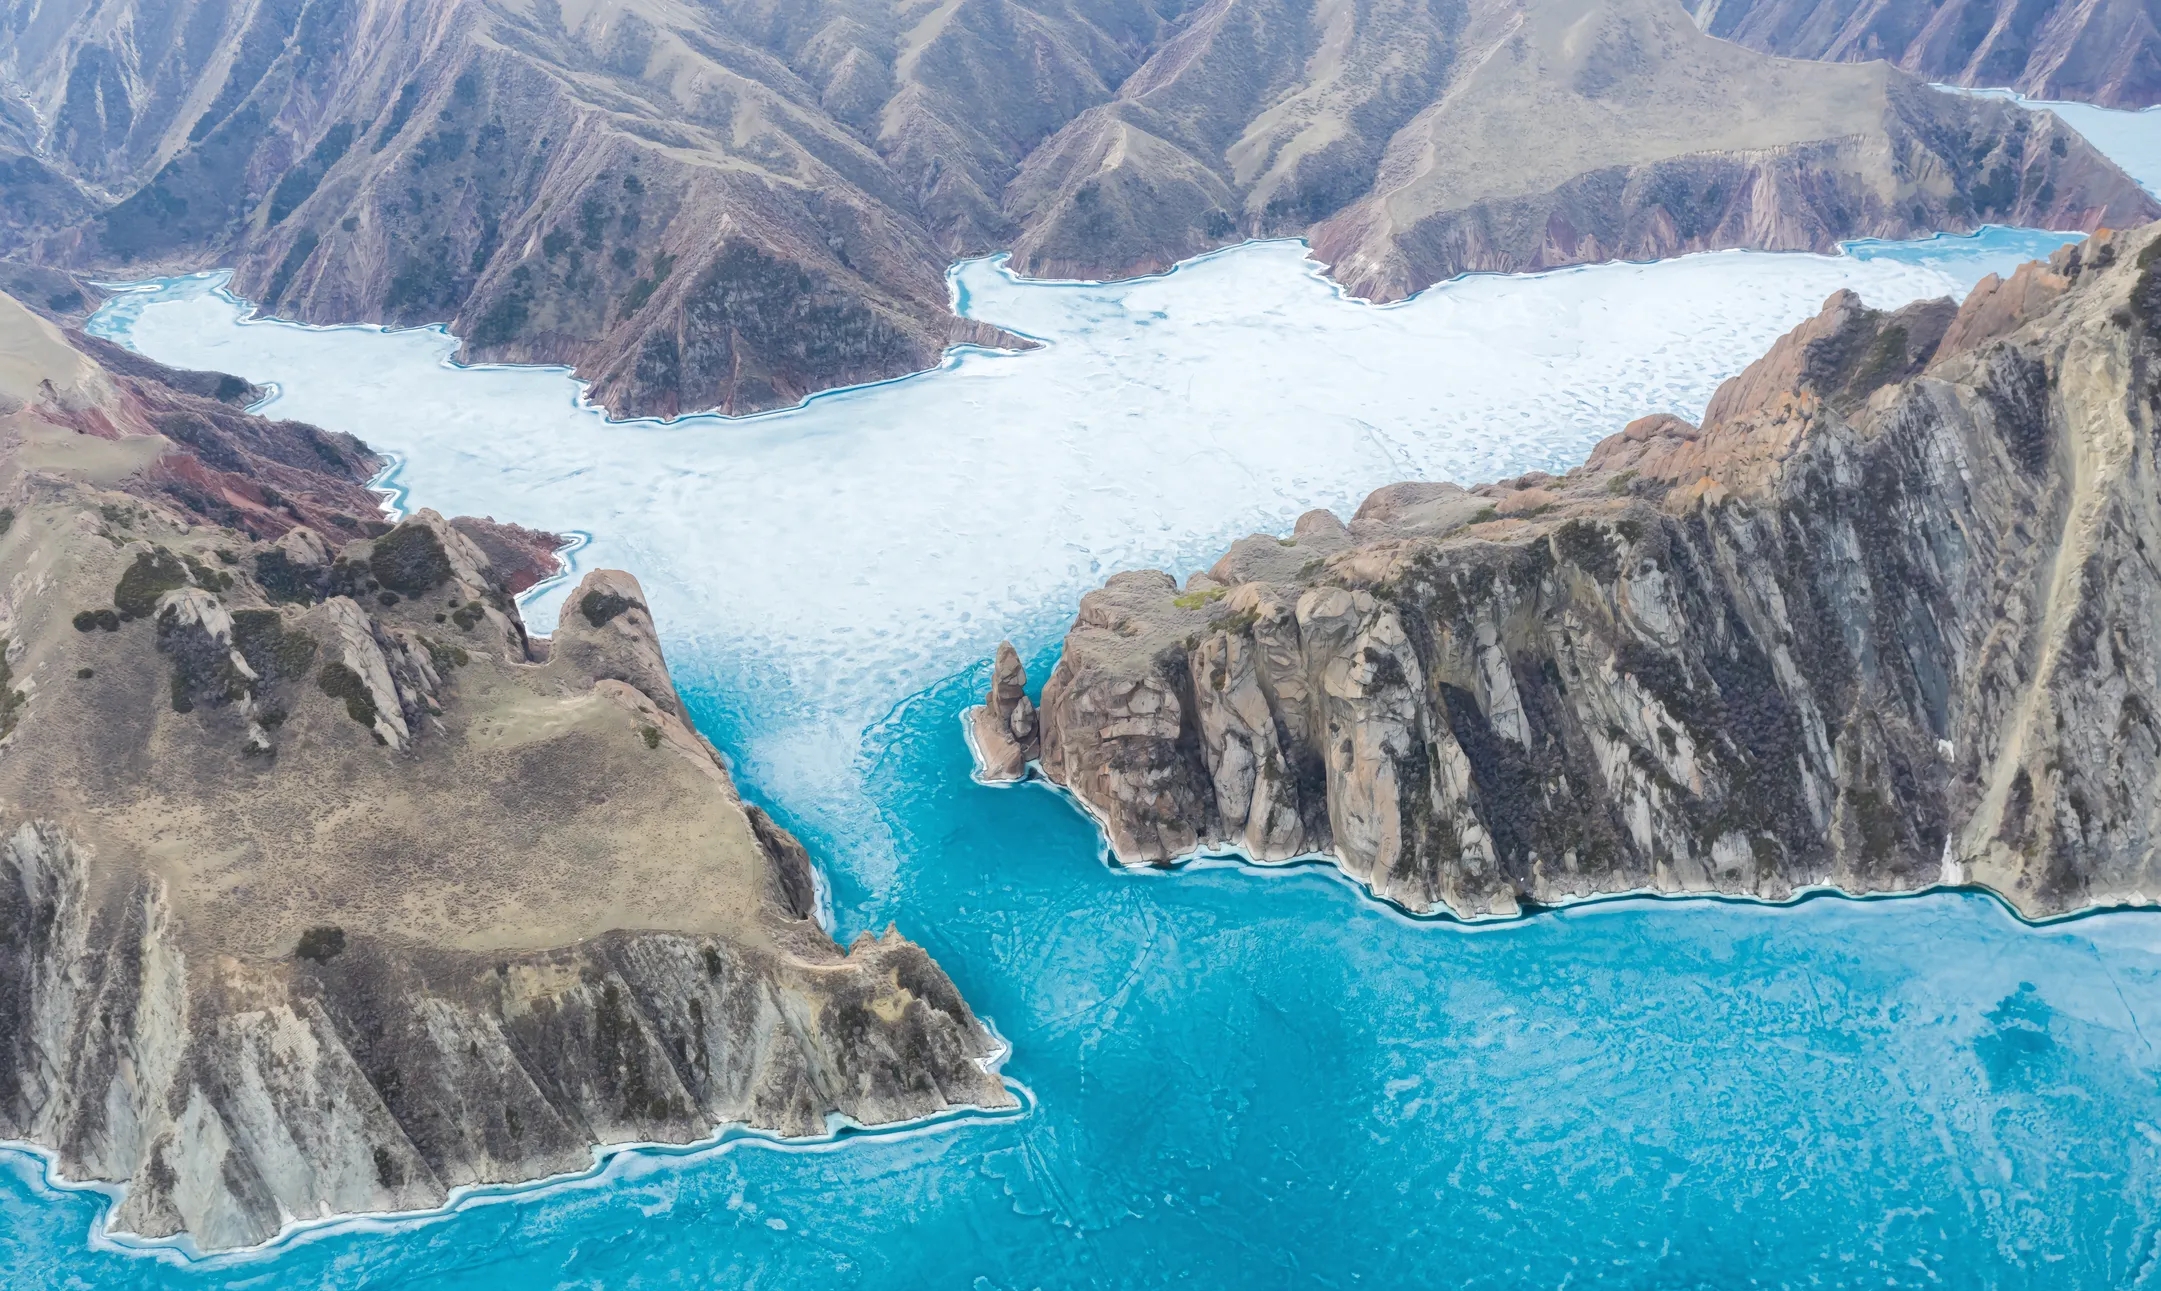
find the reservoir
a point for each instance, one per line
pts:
(1232, 1077)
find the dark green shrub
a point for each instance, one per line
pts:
(153, 574)
(386, 599)
(282, 580)
(599, 607)
(468, 615)
(321, 944)
(349, 578)
(11, 699)
(216, 580)
(444, 655)
(651, 735)
(410, 559)
(296, 650)
(341, 682)
(85, 674)
(270, 649)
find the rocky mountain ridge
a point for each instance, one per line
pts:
(701, 207)
(1878, 624)
(326, 888)
(2106, 53)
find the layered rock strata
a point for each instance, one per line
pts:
(1882, 622)
(325, 888)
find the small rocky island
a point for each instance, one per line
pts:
(1885, 620)
(325, 888)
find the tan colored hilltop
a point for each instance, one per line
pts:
(2106, 52)
(324, 888)
(1885, 620)
(703, 207)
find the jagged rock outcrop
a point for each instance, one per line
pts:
(712, 207)
(323, 889)
(1002, 729)
(2107, 52)
(1883, 621)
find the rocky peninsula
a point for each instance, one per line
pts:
(325, 887)
(1883, 621)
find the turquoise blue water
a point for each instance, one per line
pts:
(1245, 1078)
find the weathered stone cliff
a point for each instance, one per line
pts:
(1884, 621)
(324, 888)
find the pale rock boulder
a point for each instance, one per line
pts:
(1002, 730)
(353, 646)
(606, 631)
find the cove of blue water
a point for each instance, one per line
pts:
(1244, 1078)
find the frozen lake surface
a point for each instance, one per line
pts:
(830, 559)
(1239, 1078)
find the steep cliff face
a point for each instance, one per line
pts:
(1883, 621)
(324, 888)
(2107, 53)
(711, 207)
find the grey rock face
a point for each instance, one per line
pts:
(1882, 622)
(378, 1076)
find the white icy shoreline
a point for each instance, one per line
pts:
(611, 1162)
(811, 567)
(863, 544)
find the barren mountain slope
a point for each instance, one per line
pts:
(701, 206)
(687, 204)
(323, 888)
(2107, 52)
(1884, 621)
(1513, 135)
